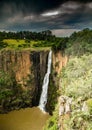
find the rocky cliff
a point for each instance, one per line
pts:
(26, 69)
(59, 60)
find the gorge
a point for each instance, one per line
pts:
(30, 71)
(38, 62)
(31, 113)
(26, 71)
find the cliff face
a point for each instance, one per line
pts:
(59, 60)
(28, 69)
(17, 62)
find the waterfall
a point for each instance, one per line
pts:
(43, 98)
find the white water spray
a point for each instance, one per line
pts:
(43, 98)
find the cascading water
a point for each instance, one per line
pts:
(43, 98)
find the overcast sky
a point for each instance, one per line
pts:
(61, 16)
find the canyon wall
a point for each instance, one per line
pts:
(27, 69)
(59, 60)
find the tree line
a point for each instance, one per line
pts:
(44, 35)
(81, 40)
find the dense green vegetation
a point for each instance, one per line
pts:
(25, 39)
(52, 93)
(11, 94)
(53, 121)
(78, 42)
(5, 83)
(77, 83)
(44, 35)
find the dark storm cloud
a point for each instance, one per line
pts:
(45, 14)
(36, 6)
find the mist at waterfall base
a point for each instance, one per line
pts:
(43, 98)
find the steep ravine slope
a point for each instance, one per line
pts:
(75, 103)
(21, 76)
(74, 108)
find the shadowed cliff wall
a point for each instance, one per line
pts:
(27, 68)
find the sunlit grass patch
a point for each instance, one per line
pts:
(24, 43)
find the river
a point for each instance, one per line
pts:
(24, 119)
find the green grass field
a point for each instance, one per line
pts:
(19, 43)
(24, 44)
